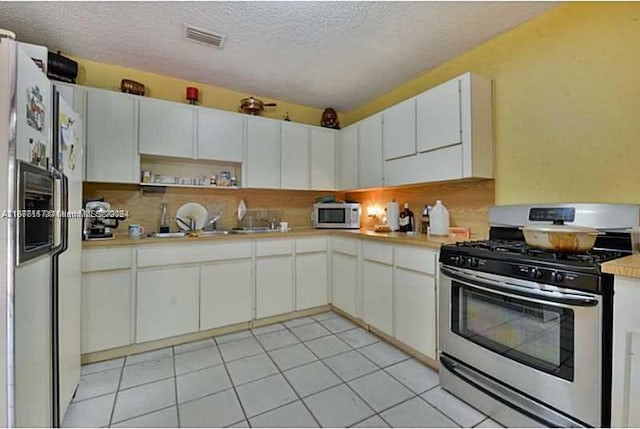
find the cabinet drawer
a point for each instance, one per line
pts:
(274, 247)
(416, 259)
(377, 253)
(308, 245)
(157, 256)
(346, 246)
(105, 259)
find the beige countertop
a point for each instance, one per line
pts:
(421, 240)
(629, 266)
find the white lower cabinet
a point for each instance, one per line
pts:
(226, 293)
(344, 278)
(414, 302)
(274, 285)
(175, 290)
(311, 280)
(167, 303)
(625, 395)
(377, 291)
(106, 310)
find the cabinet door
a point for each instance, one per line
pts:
(167, 303)
(370, 152)
(166, 128)
(226, 293)
(348, 158)
(311, 280)
(294, 156)
(402, 171)
(274, 285)
(399, 137)
(344, 278)
(111, 138)
(323, 159)
(263, 153)
(439, 121)
(377, 290)
(106, 310)
(415, 310)
(220, 135)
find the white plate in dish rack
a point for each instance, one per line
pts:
(195, 211)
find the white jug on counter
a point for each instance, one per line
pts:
(439, 219)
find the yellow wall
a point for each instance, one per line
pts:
(566, 104)
(107, 76)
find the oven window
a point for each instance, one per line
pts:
(331, 215)
(537, 335)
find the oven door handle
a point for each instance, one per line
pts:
(573, 300)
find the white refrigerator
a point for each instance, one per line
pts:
(39, 276)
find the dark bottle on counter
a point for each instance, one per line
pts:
(406, 221)
(426, 221)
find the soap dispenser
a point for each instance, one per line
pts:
(164, 218)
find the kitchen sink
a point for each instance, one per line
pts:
(169, 234)
(216, 232)
(184, 234)
(252, 230)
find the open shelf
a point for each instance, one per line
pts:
(174, 185)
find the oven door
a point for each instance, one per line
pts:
(540, 340)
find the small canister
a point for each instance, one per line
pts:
(146, 176)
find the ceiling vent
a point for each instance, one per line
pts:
(203, 36)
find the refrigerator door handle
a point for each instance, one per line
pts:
(61, 206)
(64, 221)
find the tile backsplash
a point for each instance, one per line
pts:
(144, 207)
(468, 202)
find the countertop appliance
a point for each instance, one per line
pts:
(525, 334)
(336, 215)
(99, 220)
(40, 159)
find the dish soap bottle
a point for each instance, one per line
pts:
(439, 217)
(164, 219)
(406, 221)
(425, 219)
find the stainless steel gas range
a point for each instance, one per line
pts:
(525, 334)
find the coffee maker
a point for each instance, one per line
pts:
(99, 220)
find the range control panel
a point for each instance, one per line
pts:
(550, 276)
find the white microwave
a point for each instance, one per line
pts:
(336, 215)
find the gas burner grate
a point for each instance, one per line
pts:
(520, 248)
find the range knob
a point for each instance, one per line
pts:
(535, 273)
(457, 260)
(473, 262)
(557, 276)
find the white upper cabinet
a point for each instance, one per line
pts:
(400, 130)
(294, 155)
(167, 129)
(455, 137)
(111, 137)
(323, 159)
(220, 135)
(348, 158)
(262, 160)
(439, 121)
(370, 152)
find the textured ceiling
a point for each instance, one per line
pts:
(339, 54)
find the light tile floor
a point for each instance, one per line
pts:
(319, 371)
